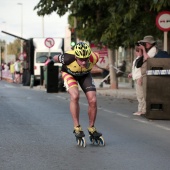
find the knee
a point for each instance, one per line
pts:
(92, 101)
(74, 97)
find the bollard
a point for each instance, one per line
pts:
(32, 81)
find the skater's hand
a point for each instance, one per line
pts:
(49, 62)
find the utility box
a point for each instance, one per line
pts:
(157, 88)
(52, 79)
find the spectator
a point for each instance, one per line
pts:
(148, 46)
(2, 66)
(25, 76)
(6, 67)
(121, 69)
(21, 70)
(12, 71)
(17, 71)
(104, 74)
(137, 77)
(149, 50)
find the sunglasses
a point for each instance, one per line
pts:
(82, 59)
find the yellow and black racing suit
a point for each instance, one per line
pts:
(73, 73)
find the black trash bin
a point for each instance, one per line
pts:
(52, 79)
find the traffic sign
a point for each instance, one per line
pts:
(163, 21)
(49, 42)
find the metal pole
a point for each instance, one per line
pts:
(0, 62)
(165, 40)
(43, 26)
(4, 22)
(21, 49)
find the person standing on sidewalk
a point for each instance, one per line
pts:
(17, 71)
(149, 50)
(12, 71)
(137, 77)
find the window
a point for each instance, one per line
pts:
(41, 57)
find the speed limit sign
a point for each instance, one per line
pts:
(49, 42)
(163, 21)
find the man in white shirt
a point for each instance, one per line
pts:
(17, 71)
(149, 50)
(137, 77)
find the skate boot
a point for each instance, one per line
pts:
(95, 137)
(80, 136)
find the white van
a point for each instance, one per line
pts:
(41, 53)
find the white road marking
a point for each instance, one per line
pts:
(122, 115)
(162, 127)
(7, 86)
(125, 116)
(141, 121)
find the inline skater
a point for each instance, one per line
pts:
(76, 67)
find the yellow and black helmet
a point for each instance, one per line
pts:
(82, 50)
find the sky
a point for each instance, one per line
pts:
(10, 21)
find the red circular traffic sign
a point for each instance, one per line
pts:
(163, 21)
(49, 42)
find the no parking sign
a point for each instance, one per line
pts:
(163, 21)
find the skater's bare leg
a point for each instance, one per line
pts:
(74, 105)
(92, 108)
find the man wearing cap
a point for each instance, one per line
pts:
(149, 50)
(147, 45)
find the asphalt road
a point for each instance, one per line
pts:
(36, 134)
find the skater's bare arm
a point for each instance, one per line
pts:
(55, 58)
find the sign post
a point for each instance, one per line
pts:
(163, 23)
(49, 42)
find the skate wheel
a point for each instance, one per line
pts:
(78, 141)
(81, 142)
(97, 141)
(101, 141)
(91, 139)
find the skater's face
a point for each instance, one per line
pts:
(82, 62)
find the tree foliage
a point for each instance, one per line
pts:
(114, 23)
(14, 47)
(2, 49)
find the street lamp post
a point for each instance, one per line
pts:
(0, 62)
(21, 24)
(43, 26)
(6, 49)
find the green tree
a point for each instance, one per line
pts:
(110, 22)
(14, 47)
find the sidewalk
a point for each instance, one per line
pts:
(125, 90)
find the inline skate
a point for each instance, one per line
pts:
(95, 137)
(80, 136)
